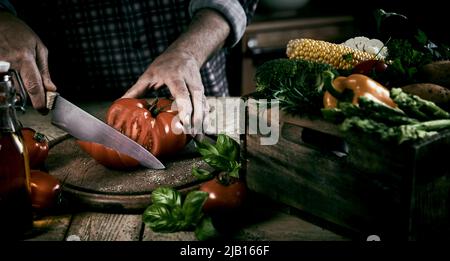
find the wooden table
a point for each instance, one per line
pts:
(267, 222)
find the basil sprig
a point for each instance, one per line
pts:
(222, 156)
(167, 213)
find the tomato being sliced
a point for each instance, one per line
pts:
(108, 157)
(155, 126)
(37, 147)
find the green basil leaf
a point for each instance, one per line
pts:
(235, 171)
(201, 174)
(218, 162)
(166, 196)
(205, 148)
(206, 230)
(234, 152)
(221, 143)
(192, 206)
(160, 218)
(227, 147)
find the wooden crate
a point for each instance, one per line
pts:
(356, 182)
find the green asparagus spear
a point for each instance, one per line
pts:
(398, 134)
(416, 107)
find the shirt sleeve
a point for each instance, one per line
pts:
(5, 5)
(237, 13)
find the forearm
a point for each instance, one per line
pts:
(205, 35)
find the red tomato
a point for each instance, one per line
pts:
(155, 126)
(108, 157)
(45, 190)
(149, 124)
(223, 198)
(37, 147)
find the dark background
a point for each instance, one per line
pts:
(430, 16)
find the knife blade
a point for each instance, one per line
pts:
(84, 126)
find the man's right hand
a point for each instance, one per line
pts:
(21, 47)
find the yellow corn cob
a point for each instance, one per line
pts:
(336, 55)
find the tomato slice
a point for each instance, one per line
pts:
(108, 157)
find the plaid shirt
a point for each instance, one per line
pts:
(100, 48)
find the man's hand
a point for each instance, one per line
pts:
(180, 72)
(21, 47)
(179, 68)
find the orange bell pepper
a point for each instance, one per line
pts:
(361, 85)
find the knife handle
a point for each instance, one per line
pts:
(50, 97)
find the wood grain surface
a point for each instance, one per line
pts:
(88, 183)
(105, 227)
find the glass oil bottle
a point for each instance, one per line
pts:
(16, 216)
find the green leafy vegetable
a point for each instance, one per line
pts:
(166, 196)
(168, 214)
(297, 84)
(405, 61)
(222, 156)
(201, 174)
(227, 147)
(164, 218)
(192, 207)
(206, 230)
(409, 48)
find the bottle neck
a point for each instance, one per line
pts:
(8, 118)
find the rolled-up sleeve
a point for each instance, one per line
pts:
(233, 12)
(7, 6)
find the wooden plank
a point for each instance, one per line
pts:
(284, 227)
(91, 226)
(150, 235)
(310, 180)
(317, 124)
(430, 204)
(50, 228)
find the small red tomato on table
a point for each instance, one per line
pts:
(37, 147)
(227, 191)
(224, 196)
(45, 191)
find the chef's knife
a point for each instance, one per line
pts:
(86, 127)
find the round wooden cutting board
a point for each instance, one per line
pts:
(88, 184)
